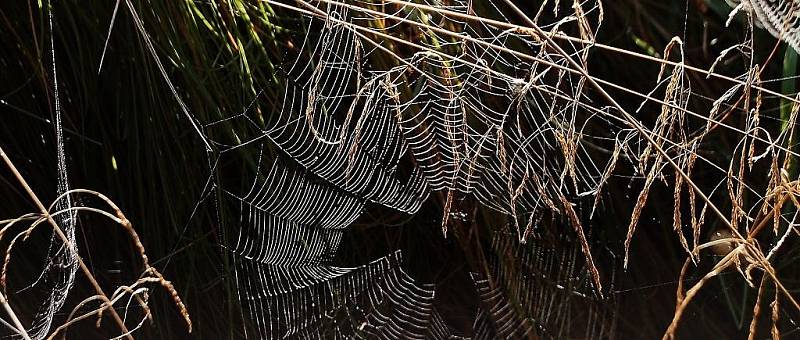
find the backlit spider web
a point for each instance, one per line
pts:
(398, 104)
(545, 284)
(57, 276)
(780, 18)
(366, 119)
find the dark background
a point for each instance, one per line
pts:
(126, 113)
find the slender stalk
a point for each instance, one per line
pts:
(595, 82)
(562, 36)
(631, 120)
(20, 329)
(324, 15)
(66, 241)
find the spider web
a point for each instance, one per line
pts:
(778, 17)
(60, 264)
(459, 115)
(397, 103)
(548, 285)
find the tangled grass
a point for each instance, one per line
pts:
(513, 120)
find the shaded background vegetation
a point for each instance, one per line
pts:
(127, 137)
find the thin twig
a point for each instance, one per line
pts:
(64, 239)
(19, 328)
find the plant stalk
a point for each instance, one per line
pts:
(66, 241)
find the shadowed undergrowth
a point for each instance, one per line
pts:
(594, 169)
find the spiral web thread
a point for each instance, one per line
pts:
(780, 17)
(459, 117)
(60, 265)
(390, 102)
